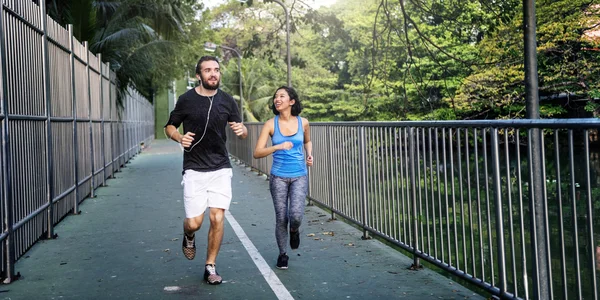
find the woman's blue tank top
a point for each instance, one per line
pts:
(288, 163)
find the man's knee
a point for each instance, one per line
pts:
(217, 216)
(193, 224)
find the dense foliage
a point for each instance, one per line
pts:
(423, 59)
(360, 59)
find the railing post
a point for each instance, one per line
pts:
(110, 117)
(542, 276)
(537, 202)
(74, 100)
(331, 177)
(89, 92)
(47, 96)
(413, 194)
(249, 151)
(499, 217)
(103, 150)
(363, 181)
(590, 212)
(8, 260)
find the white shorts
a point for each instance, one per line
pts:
(206, 189)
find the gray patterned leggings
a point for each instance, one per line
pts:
(284, 189)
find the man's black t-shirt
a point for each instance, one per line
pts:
(210, 154)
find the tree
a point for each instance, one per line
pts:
(138, 37)
(567, 64)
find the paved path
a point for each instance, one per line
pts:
(126, 244)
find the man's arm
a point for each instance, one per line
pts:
(172, 133)
(185, 140)
(239, 129)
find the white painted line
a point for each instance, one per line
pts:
(172, 288)
(278, 288)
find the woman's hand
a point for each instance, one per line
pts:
(285, 146)
(309, 160)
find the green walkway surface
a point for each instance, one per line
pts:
(126, 244)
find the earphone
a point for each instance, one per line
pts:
(205, 126)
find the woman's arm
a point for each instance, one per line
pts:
(307, 142)
(261, 150)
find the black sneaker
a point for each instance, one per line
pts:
(189, 246)
(295, 239)
(211, 276)
(282, 261)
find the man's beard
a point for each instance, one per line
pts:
(208, 86)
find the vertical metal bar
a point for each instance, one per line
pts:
(103, 150)
(432, 186)
(48, 98)
(407, 213)
(574, 208)
(439, 204)
(425, 191)
(363, 180)
(419, 187)
(538, 210)
(525, 278)
(331, 170)
(444, 159)
(389, 197)
(590, 213)
(470, 200)
(113, 102)
(499, 217)
(377, 135)
(369, 171)
(241, 90)
(354, 206)
(403, 184)
(379, 186)
(479, 211)
(8, 244)
(546, 221)
(451, 142)
(89, 91)
(563, 260)
(415, 241)
(511, 232)
(397, 158)
(531, 71)
(542, 276)
(383, 175)
(462, 197)
(74, 114)
(394, 187)
(487, 208)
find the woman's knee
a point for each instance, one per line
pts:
(296, 219)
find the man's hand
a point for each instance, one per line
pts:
(238, 128)
(187, 139)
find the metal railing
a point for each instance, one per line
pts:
(62, 131)
(457, 195)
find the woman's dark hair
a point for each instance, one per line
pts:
(296, 107)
